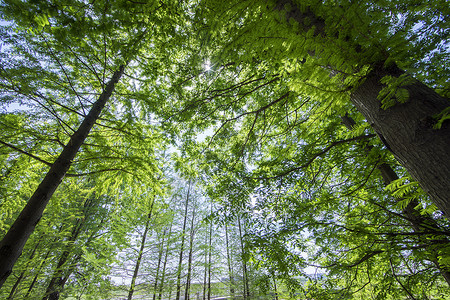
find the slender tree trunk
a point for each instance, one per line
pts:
(30, 288)
(244, 262)
(141, 252)
(12, 244)
(161, 286)
(275, 286)
(191, 250)
(180, 261)
(407, 128)
(230, 268)
(160, 254)
(209, 257)
(55, 285)
(205, 274)
(22, 275)
(418, 221)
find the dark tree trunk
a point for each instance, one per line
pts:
(58, 280)
(418, 221)
(141, 252)
(206, 267)
(12, 244)
(33, 282)
(407, 131)
(209, 257)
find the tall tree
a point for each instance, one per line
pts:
(61, 41)
(141, 250)
(183, 237)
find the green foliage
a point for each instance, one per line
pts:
(395, 91)
(272, 151)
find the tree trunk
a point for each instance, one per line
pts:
(191, 250)
(209, 257)
(180, 261)
(12, 244)
(30, 288)
(407, 131)
(141, 252)
(160, 254)
(244, 262)
(418, 221)
(22, 275)
(56, 283)
(163, 275)
(230, 268)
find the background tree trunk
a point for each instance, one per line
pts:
(180, 261)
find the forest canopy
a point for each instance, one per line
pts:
(245, 149)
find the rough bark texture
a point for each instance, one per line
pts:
(12, 244)
(418, 222)
(407, 131)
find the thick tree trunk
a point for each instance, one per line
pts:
(12, 244)
(141, 252)
(407, 131)
(418, 221)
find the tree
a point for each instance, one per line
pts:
(319, 51)
(42, 28)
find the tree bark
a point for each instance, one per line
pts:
(12, 244)
(163, 275)
(191, 250)
(180, 261)
(406, 129)
(246, 292)
(22, 274)
(230, 268)
(141, 252)
(418, 221)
